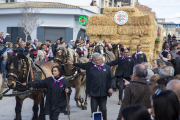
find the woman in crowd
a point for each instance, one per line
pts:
(157, 63)
(165, 105)
(135, 112)
(57, 87)
(19, 40)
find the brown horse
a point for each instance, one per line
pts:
(64, 54)
(18, 71)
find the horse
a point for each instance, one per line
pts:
(77, 78)
(117, 50)
(18, 72)
(108, 56)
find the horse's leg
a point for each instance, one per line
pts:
(42, 109)
(85, 102)
(18, 108)
(36, 107)
(77, 90)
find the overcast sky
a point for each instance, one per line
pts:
(169, 9)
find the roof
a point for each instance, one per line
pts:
(38, 5)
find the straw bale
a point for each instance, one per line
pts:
(94, 39)
(101, 30)
(135, 37)
(126, 9)
(106, 38)
(124, 30)
(97, 20)
(148, 20)
(135, 42)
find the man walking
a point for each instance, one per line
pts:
(124, 70)
(102, 83)
(139, 56)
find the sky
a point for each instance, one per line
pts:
(169, 9)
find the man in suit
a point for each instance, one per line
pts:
(124, 70)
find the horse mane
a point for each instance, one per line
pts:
(12, 59)
(71, 52)
(100, 42)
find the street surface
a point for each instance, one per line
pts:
(7, 111)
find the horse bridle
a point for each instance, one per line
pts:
(20, 67)
(65, 55)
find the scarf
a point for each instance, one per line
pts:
(93, 63)
(59, 80)
(100, 67)
(137, 53)
(166, 50)
(123, 57)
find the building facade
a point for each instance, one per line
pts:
(59, 20)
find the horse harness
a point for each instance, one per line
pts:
(75, 71)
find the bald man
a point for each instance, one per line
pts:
(174, 85)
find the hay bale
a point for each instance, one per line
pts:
(135, 42)
(101, 30)
(97, 20)
(106, 38)
(94, 39)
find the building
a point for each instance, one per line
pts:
(60, 20)
(169, 27)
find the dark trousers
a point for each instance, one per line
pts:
(54, 115)
(121, 86)
(101, 102)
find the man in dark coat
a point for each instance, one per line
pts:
(22, 47)
(166, 51)
(101, 85)
(124, 70)
(138, 91)
(139, 56)
(52, 50)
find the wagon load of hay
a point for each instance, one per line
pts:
(138, 29)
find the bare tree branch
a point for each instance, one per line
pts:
(29, 19)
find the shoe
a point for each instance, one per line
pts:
(119, 103)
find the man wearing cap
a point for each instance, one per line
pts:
(139, 56)
(124, 70)
(174, 51)
(7, 39)
(71, 45)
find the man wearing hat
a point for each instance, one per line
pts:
(71, 44)
(7, 39)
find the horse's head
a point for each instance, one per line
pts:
(63, 54)
(100, 47)
(16, 70)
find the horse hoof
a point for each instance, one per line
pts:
(84, 108)
(66, 112)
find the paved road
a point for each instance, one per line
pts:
(7, 112)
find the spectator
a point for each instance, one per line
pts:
(165, 105)
(38, 46)
(61, 40)
(154, 79)
(1, 38)
(71, 45)
(174, 85)
(177, 77)
(164, 80)
(135, 112)
(174, 51)
(139, 56)
(19, 40)
(52, 50)
(58, 42)
(102, 83)
(156, 87)
(28, 46)
(169, 36)
(173, 37)
(22, 47)
(7, 39)
(34, 45)
(157, 63)
(64, 43)
(165, 52)
(166, 71)
(150, 72)
(15, 47)
(138, 91)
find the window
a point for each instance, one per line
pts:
(9, 1)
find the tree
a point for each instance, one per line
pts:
(29, 19)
